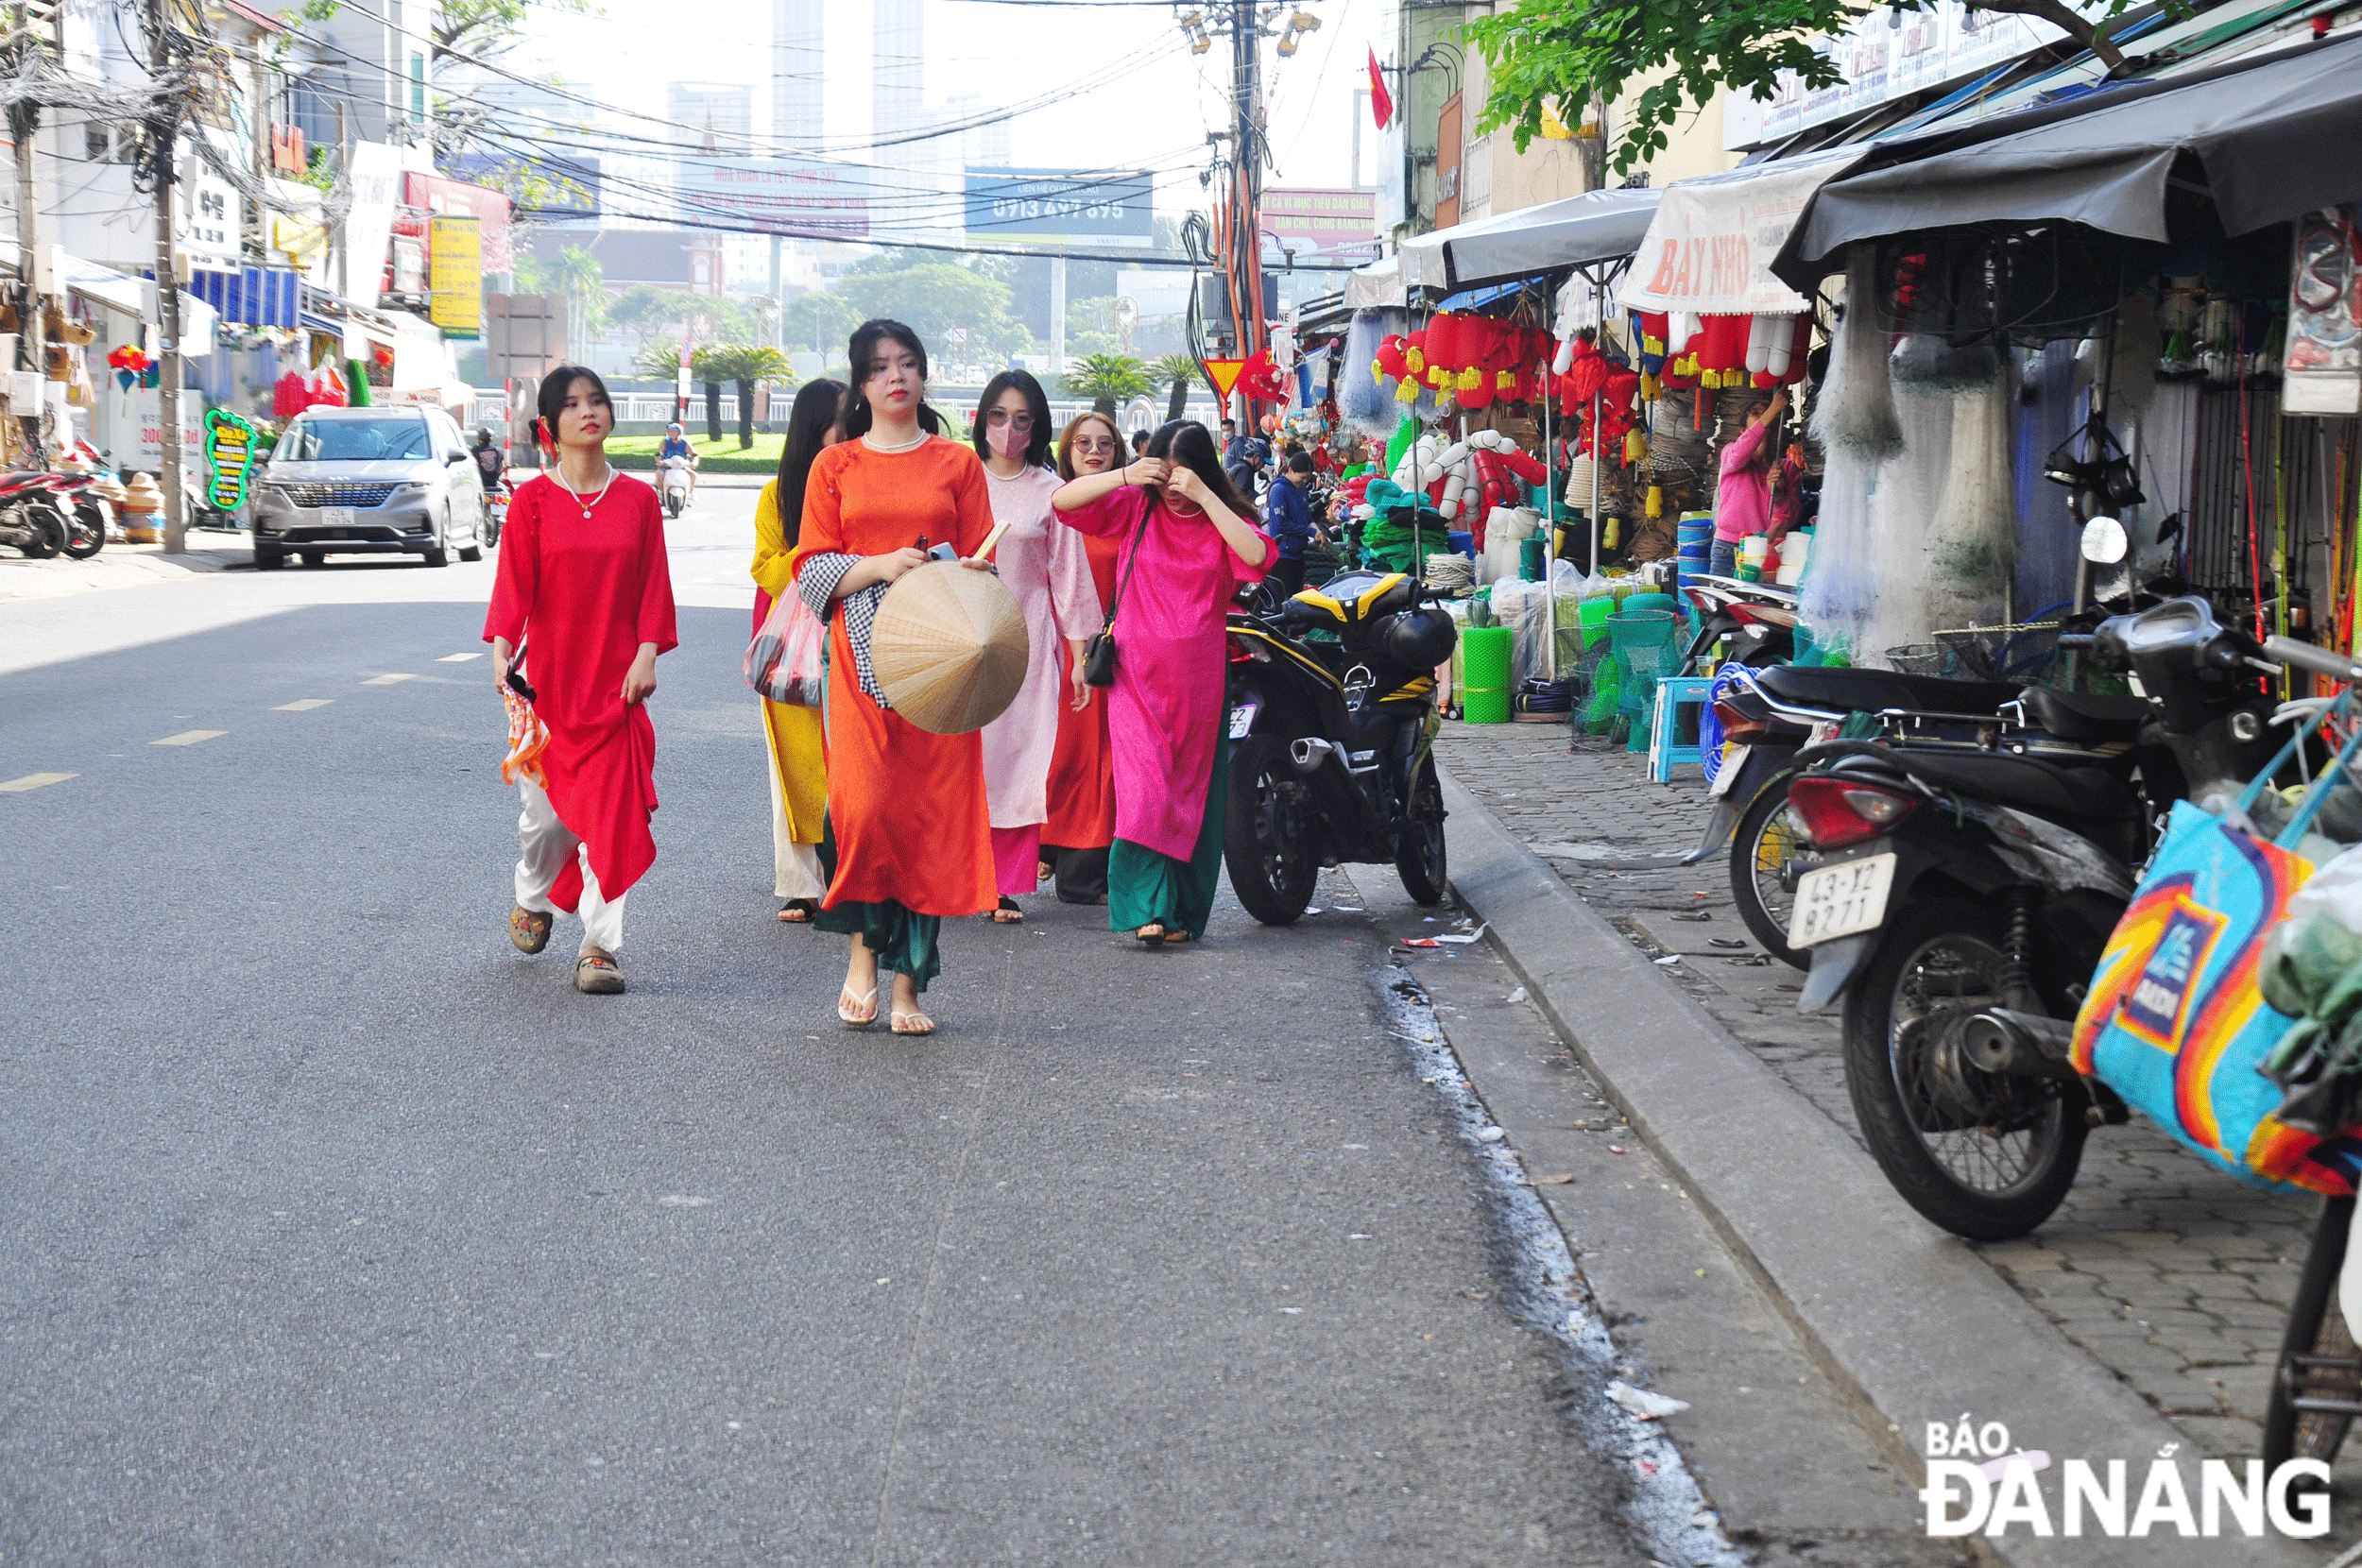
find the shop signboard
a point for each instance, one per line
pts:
(207, 212)
(1107, 206)
(145, 405)
(1324, 225)
(376, 184)
(1710, 248)
(229, 458)
(777, 195)
(455, 276)
(456, 199)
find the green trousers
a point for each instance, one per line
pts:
(1144, 886)
(905, 944)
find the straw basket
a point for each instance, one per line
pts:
(949, 647)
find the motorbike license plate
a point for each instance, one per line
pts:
(335, 517)
(1840, 900)
(1241, 721)
(1726, 773)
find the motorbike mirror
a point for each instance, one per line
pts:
(2105, 542)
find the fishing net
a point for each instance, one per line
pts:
(1856, 414)
(1972, 540)
(1843, 585)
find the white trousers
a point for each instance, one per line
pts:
(795, 867)
(544, 844)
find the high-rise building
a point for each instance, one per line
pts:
(898, 74)
(798, 56)
(984, 147)
(721, 111)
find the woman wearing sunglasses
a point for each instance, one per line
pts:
(1049, 572)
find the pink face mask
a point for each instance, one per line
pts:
(1006, 439)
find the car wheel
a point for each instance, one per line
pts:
(268, 558)
(438, 554)
(313, 557)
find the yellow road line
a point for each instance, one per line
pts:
(303, 704)
(388, 680)
(190, 738)
(35, 781)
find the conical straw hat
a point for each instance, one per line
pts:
(949, 647)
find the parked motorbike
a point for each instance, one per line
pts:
(1962, 902)
(38, 521)
(672, 485)
(1758, 622)
(86, 501)
(1332, 734)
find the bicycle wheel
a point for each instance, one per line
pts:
(2316, 1388)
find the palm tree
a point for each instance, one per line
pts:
(583, 280)
(746, 365)
(1176, 371)
(1107, 380)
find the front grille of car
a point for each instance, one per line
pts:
(339, 495)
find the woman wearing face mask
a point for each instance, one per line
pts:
(1194, 540)
(1081, 790)
(584, 584)
(1048, 571)
(799, 769)
(909, 834)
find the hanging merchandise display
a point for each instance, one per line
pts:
(2323, 360)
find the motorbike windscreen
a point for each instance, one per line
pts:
(394, 440)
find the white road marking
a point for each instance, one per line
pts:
(458, 659)
(302, 705)
(35, 781)
(388, 680)
(190, 738)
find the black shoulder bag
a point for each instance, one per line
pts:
(1099, 659)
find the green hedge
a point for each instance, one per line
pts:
(638, 452)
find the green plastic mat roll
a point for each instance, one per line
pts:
(1484, 673)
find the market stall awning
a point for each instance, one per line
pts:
(1593, 226)
(1376, 286)
(104, 285)
(1710, 248)
(2272, 140)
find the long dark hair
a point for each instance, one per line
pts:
(1036, 403)
(1066, 441)
(551, 402)
(1186, 444)
(859, 359)
(808, 425)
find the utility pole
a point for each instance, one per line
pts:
(24, 125)
(1247, 257)
(168, 294)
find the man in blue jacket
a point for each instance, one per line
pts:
(1288, 516)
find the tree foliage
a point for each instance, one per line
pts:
(821, 322)
(1107, 380)
(931, 297)
(1565, 55)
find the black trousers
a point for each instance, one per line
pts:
(1287, 576)
(1082, 874)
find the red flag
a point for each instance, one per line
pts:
(1381, 101)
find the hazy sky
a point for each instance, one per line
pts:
(1152, 116)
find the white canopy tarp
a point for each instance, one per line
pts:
(1595, 225)
(1710, 248)
(1376, 286)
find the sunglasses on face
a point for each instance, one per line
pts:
(1002, 416)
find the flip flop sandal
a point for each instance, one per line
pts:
(1008, 913)
(799, 911)
(846, 1002)
(1152, 934)
(920, 1022)
(1174, 939)
(528, 929)
(597, 974)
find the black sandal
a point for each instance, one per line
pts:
(1008, 913)
(799, 911)
(1152, 934)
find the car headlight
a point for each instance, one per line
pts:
(413, 488)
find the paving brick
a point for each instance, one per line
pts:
(2208, 1262)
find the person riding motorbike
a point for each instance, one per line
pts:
(675, 444)
(490, 463)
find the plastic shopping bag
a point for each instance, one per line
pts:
(787, 661)
(2176, 1021)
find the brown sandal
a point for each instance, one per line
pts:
(528, 929)
(1152, 934)
(597, 974)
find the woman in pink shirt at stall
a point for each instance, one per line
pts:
(1742, 501)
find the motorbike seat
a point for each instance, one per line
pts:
(1871, 690)
(2043, 789)
(2085, 715)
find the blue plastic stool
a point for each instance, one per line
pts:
(1665, 753)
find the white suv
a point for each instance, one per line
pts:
(391, 481)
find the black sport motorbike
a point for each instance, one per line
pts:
(1961, 900)
(1333, 736)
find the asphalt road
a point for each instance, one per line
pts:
(333, 1229)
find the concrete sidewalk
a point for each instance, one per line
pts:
(2146, 1315)
(123, 566)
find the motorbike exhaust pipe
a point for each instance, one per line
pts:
(2026, 1045)
(1309, 754)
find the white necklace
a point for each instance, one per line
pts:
(908, 446)
(586, 506)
